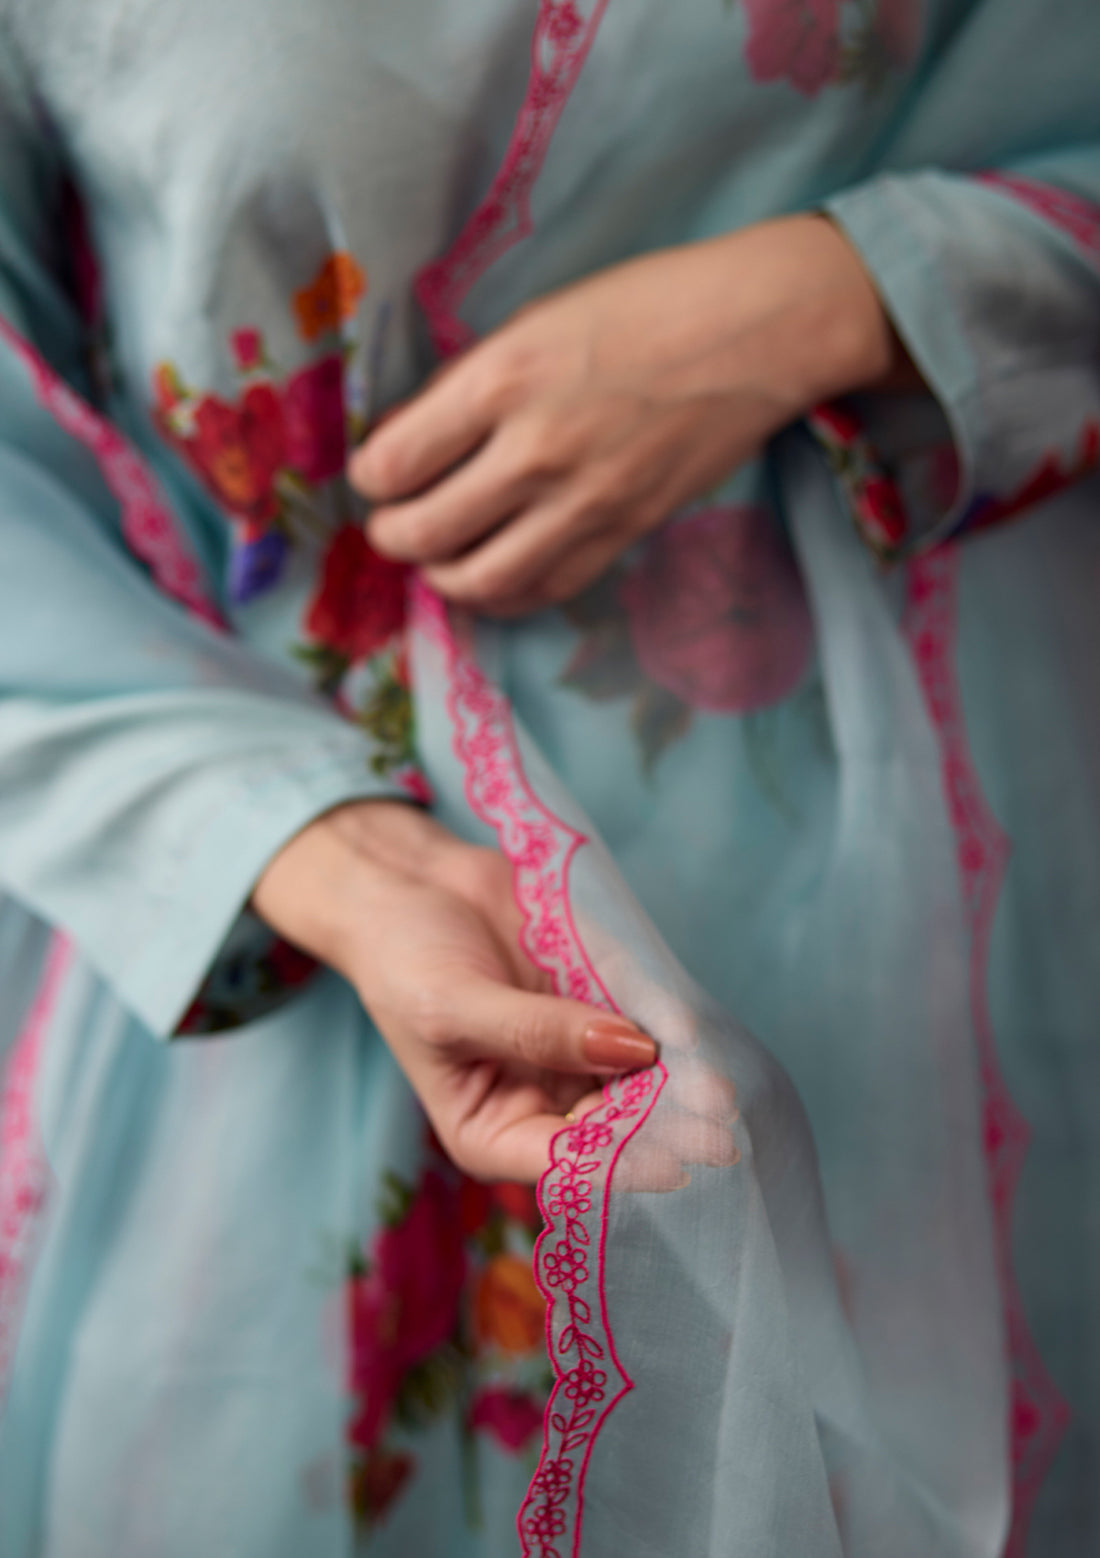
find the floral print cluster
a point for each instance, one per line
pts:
(814, 44)
(441, 1316)
(713, 618)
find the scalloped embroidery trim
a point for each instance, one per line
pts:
(1039, 1414)
(573, 1194)
(24, 1171)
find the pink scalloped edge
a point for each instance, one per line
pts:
(24, 1171)
(148, 526)
(1039, 1413)
(560, 43)
(1072, 214)
(574, 1192)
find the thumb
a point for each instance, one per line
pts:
(548, 1032)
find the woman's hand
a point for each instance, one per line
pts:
(426, 929)
(527, 465)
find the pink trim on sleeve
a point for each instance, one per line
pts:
(1073, 214)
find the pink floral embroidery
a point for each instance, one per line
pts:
(796, 41)
(1038, 1414)
(590, 1379)
(718, 615)
(1071, 213)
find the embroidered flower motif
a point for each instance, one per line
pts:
(511, 1417)
(360, 600)
(796, 41)
(555, 1477)
(509, 1312)
(331, 297)
(565, 1266)
(718, 615)
(585, 1384)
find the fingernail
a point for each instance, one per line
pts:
(610, 1044)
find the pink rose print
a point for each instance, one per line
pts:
(717, 612)
(796, 41)
(509, 1416)
(313, 409)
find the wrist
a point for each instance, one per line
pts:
(332, 876)
(826, 333)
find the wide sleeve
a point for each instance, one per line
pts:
(149, 765)
(983, 240)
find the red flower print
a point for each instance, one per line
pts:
(421, 1266)
(331, 297)
(519, 1203)
(898, 28)
(360, 602)
(509, 1416)
(718, 615)
(376, 1482)
(404, 1306)
(238, 449)
(796, 41)
(313, 410)
(881, 512)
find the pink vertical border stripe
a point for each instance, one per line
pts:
(1038, 1414)
(24, 1172)
(590, 1379)
(149, 528)
(563, 35)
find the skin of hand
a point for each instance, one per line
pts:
(425, 927)
(528, 464)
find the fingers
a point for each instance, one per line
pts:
(420, 441)
(446, 518)
(539, 1032)
(544, 554)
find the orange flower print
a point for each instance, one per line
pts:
(331, 297)
(509, 1310)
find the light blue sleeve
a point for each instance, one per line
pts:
(980, 227)
(994, 286)
(149, 765)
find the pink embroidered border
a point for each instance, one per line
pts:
(1078, 217)
(24, 1172)
(589, 1377)
(150, 530)
(1039, 1415)
(559, 48)
(148, 527)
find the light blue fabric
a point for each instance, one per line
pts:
(832, 1352)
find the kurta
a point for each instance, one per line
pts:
(809, 786)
